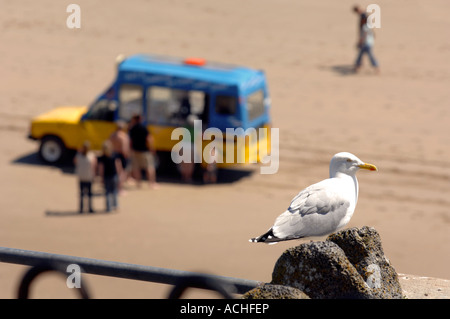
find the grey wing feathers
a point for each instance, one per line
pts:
(315, 200)
(313, 212)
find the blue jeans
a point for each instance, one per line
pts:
(86, 191)
(111, 192)
(366, 49)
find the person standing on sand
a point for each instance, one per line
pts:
(85, 166)
(110, 168)
(210, 171)
(143, 154)
(120, 141)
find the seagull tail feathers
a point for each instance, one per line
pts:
(268, 238)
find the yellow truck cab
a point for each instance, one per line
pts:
(163, 90)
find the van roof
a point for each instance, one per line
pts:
(192, 68)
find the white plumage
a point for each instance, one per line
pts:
(321, 208)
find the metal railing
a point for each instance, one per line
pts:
(41, 262)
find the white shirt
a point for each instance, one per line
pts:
(84, 167)
(367, 35)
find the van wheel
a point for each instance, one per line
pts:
(52, 149)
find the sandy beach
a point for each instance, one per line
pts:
(398, 120)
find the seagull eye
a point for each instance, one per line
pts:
(349, 160)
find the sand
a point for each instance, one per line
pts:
(397, 120)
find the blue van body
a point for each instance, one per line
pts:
(213, 78)
(231, 96)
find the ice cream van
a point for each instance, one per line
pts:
(165, 91)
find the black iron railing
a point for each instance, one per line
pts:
(42, 262)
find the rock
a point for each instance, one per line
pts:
(321, 270)
(349, 264)
(268, 291)
(363, 249)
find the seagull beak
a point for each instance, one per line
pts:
(370, 167)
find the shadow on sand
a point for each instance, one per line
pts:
(72, 213)
(166, 172)
(343, 69)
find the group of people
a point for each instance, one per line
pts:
(125, 154)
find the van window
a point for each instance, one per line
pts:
(226, 105)
(102, 110)
(166, 106)
(255, 104)
(130, 101)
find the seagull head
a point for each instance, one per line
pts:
(347, 163)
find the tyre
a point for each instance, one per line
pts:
(52, 150)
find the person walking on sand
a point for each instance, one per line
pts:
(365, 45)
(143, 154)
(85, 166)
(110, 168)
(120, 141)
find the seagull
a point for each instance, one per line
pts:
(322, 208)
